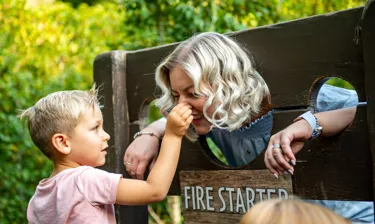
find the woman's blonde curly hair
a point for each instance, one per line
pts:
(221, 71)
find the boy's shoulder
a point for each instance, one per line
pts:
(86, 172)
(79, 179)
(71, 174)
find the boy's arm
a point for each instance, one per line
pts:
(155, 188)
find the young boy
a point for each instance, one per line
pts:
(67, 127)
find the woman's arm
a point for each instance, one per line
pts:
(291, 139)
(143, 151)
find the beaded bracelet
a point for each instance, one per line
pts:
(145, 133)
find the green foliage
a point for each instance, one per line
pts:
(76, 3)
(44, 49)
(161, 211)
(166, 21)
(161, 22)
(153, 113)
(340, 83)
(216, 151)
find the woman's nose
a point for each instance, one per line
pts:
(182, 99)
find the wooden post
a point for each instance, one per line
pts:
(110, 73)
(367, 31)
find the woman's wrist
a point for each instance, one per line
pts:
(302, 129)
(150, 133)
(157, 127)
(312, 121)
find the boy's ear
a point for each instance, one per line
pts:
(61, 143)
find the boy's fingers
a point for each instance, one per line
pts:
(180, 108)
(177, 108)
(186, 114)
(184, 108)
(190, 119)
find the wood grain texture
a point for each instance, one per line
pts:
(231, 191)
(210, 218)
(110, 75)
(367, 31)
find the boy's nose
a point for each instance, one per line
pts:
(106, 136)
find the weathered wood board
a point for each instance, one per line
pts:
(228, 192)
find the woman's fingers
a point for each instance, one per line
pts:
(141, 168)
(282, 163)
(279, 156)
(134, 167)
(272, 151)
(128, 163)
(269, 167)
(286, 141)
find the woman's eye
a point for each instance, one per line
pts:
(193, 95)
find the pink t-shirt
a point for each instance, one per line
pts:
(80, 195)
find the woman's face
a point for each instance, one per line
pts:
(182, 88)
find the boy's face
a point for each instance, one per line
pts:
(89, 140)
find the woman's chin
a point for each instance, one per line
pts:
(202, 130)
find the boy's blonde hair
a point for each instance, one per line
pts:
(57, 112)
(292, 211)
(221, 71)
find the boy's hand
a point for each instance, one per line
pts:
(179, 119)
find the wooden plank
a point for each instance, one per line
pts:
(230, 191)
(368, 47)
(210, 218)
(109, 75)
(337, 168)
(109, 72)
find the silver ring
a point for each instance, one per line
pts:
(275, 146)
(128, 163)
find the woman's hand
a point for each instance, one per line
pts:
(143, 151)
(279, 156)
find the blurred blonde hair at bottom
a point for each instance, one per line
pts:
(291, 211)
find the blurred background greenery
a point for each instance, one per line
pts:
(50, 45)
